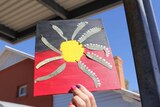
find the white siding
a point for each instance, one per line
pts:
(103, 99)
(8, 104)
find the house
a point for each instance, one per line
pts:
(16, 81)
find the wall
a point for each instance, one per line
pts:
(17, 75)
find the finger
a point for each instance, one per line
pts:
(79, 93)
(78, 102)
(89, 94)
(71, 105)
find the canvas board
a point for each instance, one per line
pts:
(70, 52)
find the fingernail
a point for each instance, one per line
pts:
(78, 86)
(73, 87)
(70, 103)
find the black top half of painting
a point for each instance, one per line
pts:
(45, 29)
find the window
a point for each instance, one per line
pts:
(22, 91)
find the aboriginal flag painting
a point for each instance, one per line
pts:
(70, 52)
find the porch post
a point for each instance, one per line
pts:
(144, 51)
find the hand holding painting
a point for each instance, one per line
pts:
(68, 52)
(82, 97)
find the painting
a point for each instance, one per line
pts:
(70, 52)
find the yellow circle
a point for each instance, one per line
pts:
(71, 50)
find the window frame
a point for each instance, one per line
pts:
(20, 94)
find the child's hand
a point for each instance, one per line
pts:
(82, 97)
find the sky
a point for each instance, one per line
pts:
(115, 25)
